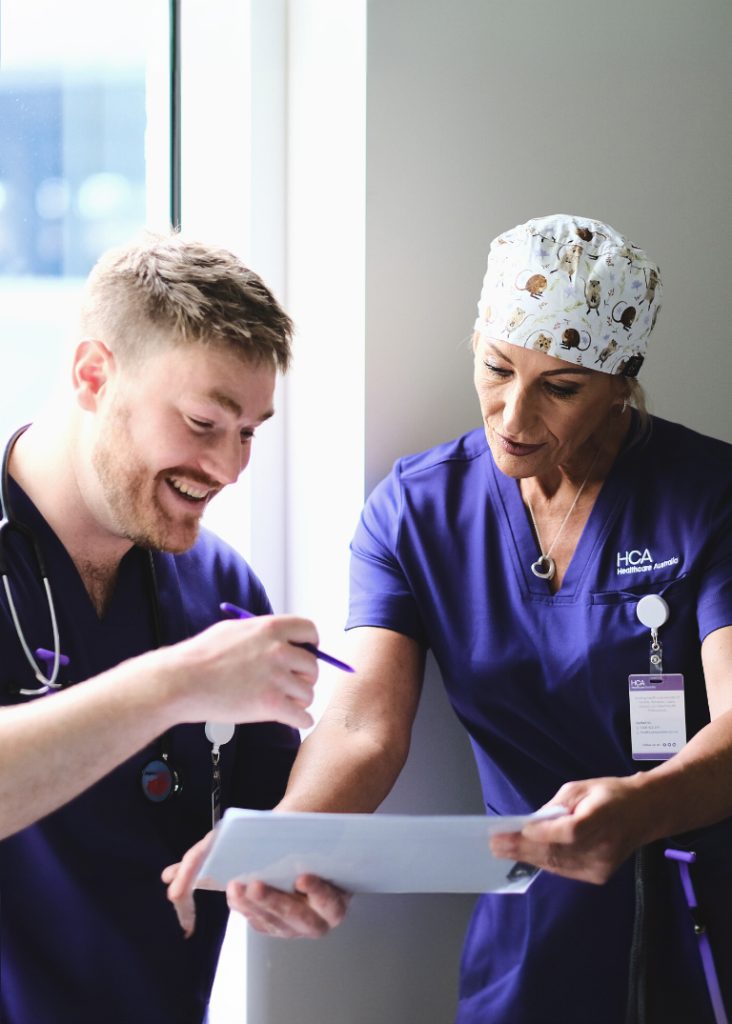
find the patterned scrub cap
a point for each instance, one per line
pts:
(573, 288)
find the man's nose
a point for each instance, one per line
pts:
(225, 461)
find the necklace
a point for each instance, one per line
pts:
(545, 567)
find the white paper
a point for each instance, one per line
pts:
(367, 852)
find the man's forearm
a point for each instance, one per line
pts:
(55, 747)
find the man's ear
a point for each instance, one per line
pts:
(92, 370)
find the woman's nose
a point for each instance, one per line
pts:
(516, 410)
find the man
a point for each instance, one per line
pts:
(173, 373)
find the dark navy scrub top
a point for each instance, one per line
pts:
(86, 933)
(540, 681)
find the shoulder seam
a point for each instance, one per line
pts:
(407, 471)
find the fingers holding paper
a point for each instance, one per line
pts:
(310, 912)
(181, 878)
(603, 826)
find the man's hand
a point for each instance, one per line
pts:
(312, 910)
(247, 670)
(606, 822)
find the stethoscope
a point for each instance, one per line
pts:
(8, 524)
(159, 779)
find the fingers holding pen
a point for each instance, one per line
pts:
(248, 670)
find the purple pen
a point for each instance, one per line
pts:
(242, 613)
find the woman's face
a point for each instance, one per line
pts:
(540, 412)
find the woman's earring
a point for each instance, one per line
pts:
(625, 406)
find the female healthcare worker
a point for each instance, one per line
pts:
(547, 559)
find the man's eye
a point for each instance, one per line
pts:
(247, 435)
(199, 424)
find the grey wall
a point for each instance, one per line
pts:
(481, 114)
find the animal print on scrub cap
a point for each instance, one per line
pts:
(573, 288)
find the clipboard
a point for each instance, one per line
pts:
(368, 853)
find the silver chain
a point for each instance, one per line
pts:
(546, 559)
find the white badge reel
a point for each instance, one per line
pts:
(217, 733)
(652, 611)
(657, 714)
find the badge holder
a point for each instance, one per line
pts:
(217, 733)
(657, 714)
(158, 778)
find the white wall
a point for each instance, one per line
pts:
(478, 115)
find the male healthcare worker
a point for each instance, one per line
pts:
(113, 646)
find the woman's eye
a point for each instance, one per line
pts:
(498, 371)
(247, 435)
(561, 392)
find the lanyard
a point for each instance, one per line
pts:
(217, 733)
(685, 860)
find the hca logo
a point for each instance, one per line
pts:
(634, 557)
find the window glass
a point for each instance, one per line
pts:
(84, 158)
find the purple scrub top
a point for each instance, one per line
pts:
(442, 554)
(86, 933)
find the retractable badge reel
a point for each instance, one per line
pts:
(657, 713)
(217, 733)
(159, 779)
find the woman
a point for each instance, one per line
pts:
(519, 554)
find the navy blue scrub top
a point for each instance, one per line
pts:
(540, 681)
(86, 933)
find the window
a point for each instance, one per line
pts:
(84, 158)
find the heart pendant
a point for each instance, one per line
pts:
(544, 574)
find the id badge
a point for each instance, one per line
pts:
(657, 716)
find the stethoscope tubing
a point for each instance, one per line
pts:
(6, 526)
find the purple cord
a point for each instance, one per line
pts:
(684, 859)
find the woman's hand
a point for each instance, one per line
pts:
(607, 821)
(180, 879)
(312, 910)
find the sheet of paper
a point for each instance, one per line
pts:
(367, 852)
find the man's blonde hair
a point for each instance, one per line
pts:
(168, 288)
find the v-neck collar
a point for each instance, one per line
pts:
(523, 547)
(132, 577)
(66, 572)
(127, 629)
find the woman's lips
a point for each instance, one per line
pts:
(514, 448)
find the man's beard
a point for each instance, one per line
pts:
(130, 493)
